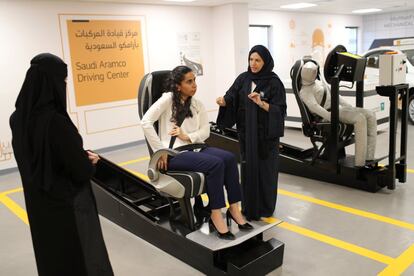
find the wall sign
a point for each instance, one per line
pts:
(107, 59)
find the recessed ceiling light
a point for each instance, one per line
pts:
(298, 6)
(366, 10)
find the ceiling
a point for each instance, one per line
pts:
(323, 6)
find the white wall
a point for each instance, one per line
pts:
(296, 29)
(387, 25)
(30, 28)
(231, 40)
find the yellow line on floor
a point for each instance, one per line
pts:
(338, 243)
(399, 264)
(271, 220)
(140, 175)
(12, 191)
(328, 240)
(349, 210)
(407, 170)
(133, 161)
(14, 208)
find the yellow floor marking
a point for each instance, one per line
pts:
(338, 243)
(328, 240)
(140, 175)
(350, 210)
(14, 207)
(133, 161)
(396, 266)
(12, 191)
(399, 264)
(271, 220)
(339, 207)
(407, 170)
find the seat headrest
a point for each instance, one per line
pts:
(150, 89)
(296, 72)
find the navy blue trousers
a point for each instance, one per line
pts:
(220, 169)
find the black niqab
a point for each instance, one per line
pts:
(42, 95)
(55, 170)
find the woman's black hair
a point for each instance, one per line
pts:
(179, 109)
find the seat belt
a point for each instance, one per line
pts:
(179, 123)
(318, 118)
(324, 96)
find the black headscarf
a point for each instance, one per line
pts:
(262, 77)
(254, 145)
(254, 126)
(41, 97)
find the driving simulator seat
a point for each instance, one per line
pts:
(174, 185)
(312, 125)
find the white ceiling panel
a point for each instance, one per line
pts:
(323, 6)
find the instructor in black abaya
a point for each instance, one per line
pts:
(56, 171)
(256, 102)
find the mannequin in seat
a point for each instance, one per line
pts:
(218, 166)
(316, 96)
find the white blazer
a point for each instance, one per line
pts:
(196, 127)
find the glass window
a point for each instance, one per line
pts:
(373, 58)
(410, 55)
(352, 39)
(259, 34)
(373, 61)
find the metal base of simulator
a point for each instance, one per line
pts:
(133, 204)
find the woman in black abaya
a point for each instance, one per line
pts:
(256, 102)
(56, 171)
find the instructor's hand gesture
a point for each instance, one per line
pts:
(221, 101)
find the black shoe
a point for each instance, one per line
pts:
(225, 236)
(243, 227)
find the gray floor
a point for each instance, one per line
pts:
(327, 229)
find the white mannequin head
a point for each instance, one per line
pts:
(309, 73)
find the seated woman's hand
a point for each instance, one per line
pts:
(221, 101)
(162, 163)
(176, 131)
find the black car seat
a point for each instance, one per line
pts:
(177, 185)
(313, 126)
